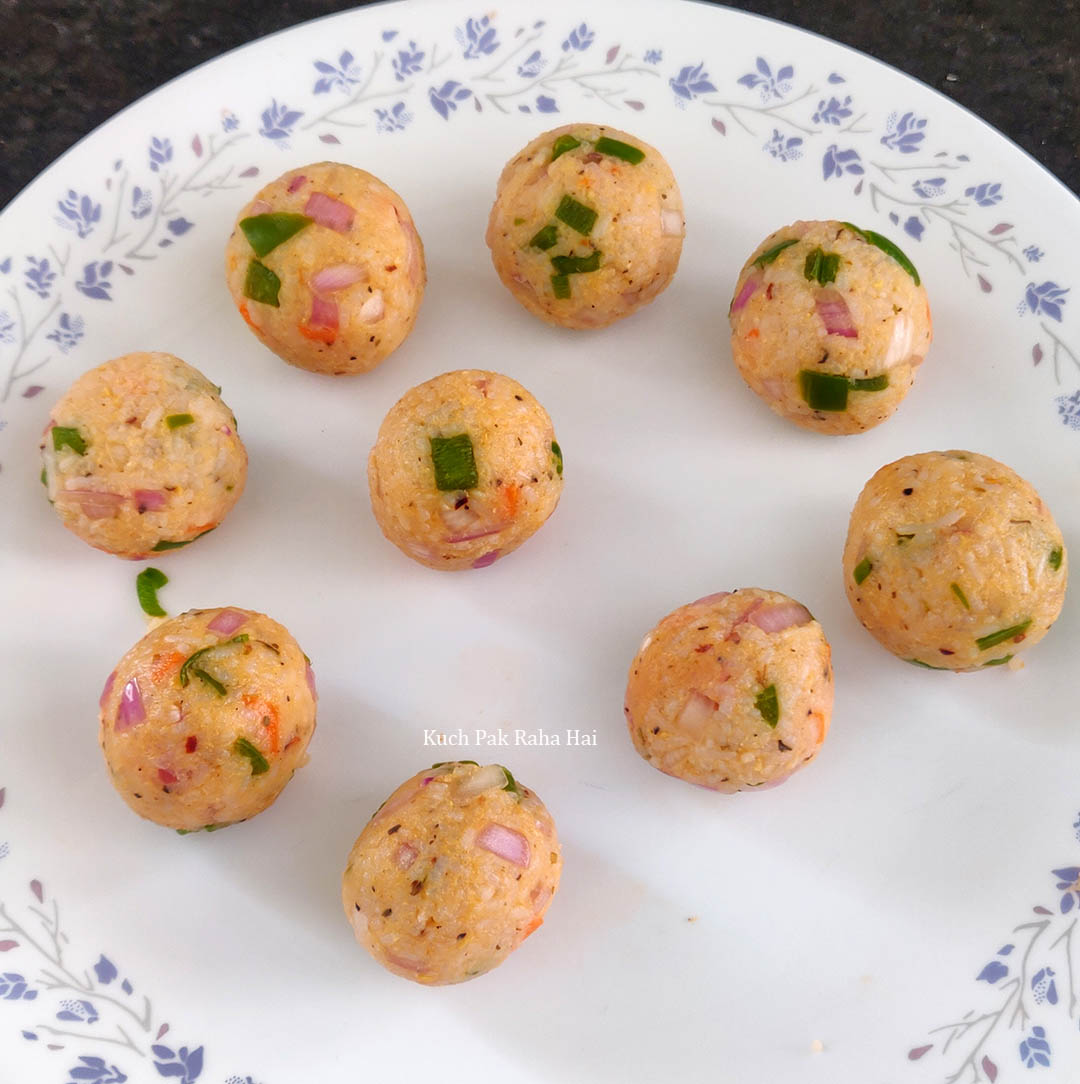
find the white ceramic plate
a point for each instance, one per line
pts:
(879, 905)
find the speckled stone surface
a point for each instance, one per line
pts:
(71, 64)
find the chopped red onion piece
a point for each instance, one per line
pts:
(780, 616)
(337, 277)
(405, 856)
(835, 314)
(696, 712)
(487, 559)
(227, 622)
(479, 533)
(296, 183)
(131, 712)
(372, 310)
(259, 207)
(108, 689)
(151, 500)
(749, 286)
(323, 313)
(226, 430)
(506, 843)
(93, 503)
(166, 776)
(330, 212)
(901, 341)
(404, 962)
(671, 223)
(715, 597)
(309, 677)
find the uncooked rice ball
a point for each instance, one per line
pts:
(207, 717)
(732, 691)
(455, 869)
(141, 456)
(829, 324)
(953, 562)
(465, 468)
(587, 225)
(327, 268)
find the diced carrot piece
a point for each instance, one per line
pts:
(533, 926)
(319, 334)
(247, 317)
(164, 665)
(753, 333)
(510, 495)
(269, 715)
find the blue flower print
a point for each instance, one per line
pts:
(39, 276)
(832, 111)
(579, 39)
(905, 133)
(1035, 1050)
(80, 1012)
(183, 1064)
(985, 195)
(1033, 254)
(229, 121)
(104, 969)
(278, 121)
(786, 149)
(343, 75)
(545, 104)
(994, 971)
(13, 987)
(913, 227)
(1069, 412)
(394, 119)
(444, 100)
(770, 85)
(836, 162)
(95, 281)
(1043, 987)
(929, 188)
(141, 202)
(95, 1071)
(691, 81)
(78, 213)
(160, 152)
(7, 328)
(407, 62)
(1068, 882)
(653, 56)
(532, 65)
(1047, 298)
(477, 38)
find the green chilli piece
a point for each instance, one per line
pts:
(1054, 560)
(576, 265)
(45, 481)
(824, 391)
(262, 285)
(511, 784)
(452, 459)
(617, 149)
(244, 748)
(576, 215)
(164, 544)
(994, 638)
(998, 662)
(444, 763)
(204, 828)
(191, 660)
(821, 267)
(209, 679)
(958, 591)
(564, 143)
(65, 436)
(147, 584)
(886, 246)
(862, 570)
(925, 665)
(546, 238)
(870, 383)
(556, 451)
(768, 705)
(770, 254)
(176, 421)
(266, 232)
(560, 286)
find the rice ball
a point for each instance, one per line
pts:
(455, 869)
(953, 562)
(587, 225)
(732, 691)
(829, 323)
(465, 468)
(327, 268)
(207, 717)
(141, 456)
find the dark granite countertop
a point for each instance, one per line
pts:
(67, 67)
